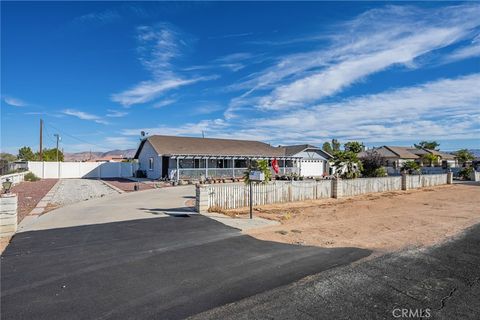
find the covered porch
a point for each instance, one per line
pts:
(196, 167)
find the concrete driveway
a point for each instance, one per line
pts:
(155, 203)
(167, 268)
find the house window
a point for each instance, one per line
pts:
(150, 163)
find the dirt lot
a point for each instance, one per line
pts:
(30, 193)
(383, 222)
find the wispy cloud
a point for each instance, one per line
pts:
(84, 116)
(116, 114)
(158, 46)
(149, 90)
(15, 102)
(164, 103)
(445, 109)
(376, 40)
(232, 35)
(210, 126)
(100, 17)
(468, 51)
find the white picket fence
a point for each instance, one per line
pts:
(230, 196)
(355, 187)
(62, 170)
(421, 181)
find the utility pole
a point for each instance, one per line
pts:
(41, 140)
(58, 138)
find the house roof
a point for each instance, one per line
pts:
(295, 149)
(403, 152)
(173, 145)
(443, 155)
(407, 153)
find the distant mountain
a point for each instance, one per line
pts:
(87, 155)
(476, 152)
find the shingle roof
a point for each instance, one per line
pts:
(443, 155)
(173, 145)
(408, 153)
(295, 149)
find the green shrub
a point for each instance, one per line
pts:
(465, 173)
(380, 172)
(31, 177)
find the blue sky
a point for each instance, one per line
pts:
(283, 73)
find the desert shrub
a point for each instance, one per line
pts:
(380, 172)
(31, 177)
(373, 164)
(465, 173)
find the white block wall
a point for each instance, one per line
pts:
(65, 170)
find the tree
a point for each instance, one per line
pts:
(354, 146)
(464, 156)
(430, 158)
(347, 164)
(432, 145)
(258, 165)
(51, 155)
(335, 145)
(26, 154)
(373, 164)
(411, 167)
(7, 157)
(327, 147)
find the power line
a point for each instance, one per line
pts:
(76, 138)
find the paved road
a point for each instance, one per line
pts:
(444, 279)
(156, 203)
(167, 268)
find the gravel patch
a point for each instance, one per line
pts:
(76, 190)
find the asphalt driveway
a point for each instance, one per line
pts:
(167, 268)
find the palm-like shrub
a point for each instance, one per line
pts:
(430, 158)
(411, 167)
(347, 164)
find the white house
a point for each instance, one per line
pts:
(177, 158)
(314, 161)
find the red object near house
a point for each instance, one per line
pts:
(275, 166)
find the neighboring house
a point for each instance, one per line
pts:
(315, 161)
(395, 157)
(176, 158)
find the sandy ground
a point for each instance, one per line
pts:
(383, 221)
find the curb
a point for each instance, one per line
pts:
(113, 187)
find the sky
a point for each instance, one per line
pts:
(99, 73)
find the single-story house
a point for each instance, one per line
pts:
(315, 161)
(396, 156)
(172, 157)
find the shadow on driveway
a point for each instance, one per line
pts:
(162, 268)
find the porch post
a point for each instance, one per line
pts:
(206, 168)
(178, 171)
(233, 167)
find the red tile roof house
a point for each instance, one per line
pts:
(185, 158)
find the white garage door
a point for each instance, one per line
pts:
(312, 168)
